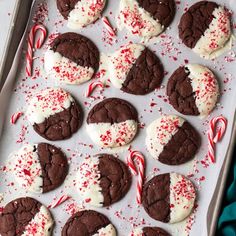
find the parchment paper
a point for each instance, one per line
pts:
(126, 213)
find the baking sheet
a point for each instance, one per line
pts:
(172, 53)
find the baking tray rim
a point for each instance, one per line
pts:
(216, 201)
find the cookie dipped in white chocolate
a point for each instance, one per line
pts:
(27, 169)
(94, 175)
(89, 182)
(182, 197)
(148, 231)
(46, 103)
(27, 217)
(72, 59)
(64, 70)
(160, 132)
(112, 135)
(122, 61)
(80, 13)
(112, 123)
(204, 86)
(39, 167)
(109, 230)
(41, 224)
(217, 38)
(172, 140)
(175, 196)
(145, 19)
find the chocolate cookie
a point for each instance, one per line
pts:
(193, 90)
(88, 222)
(135, 69)
(168, 197)
(39, 168)
(205, 28)
(25, 216)
(172, 140)
(112, 123)
(146, 18)
(80, 13)
(54, 114)
(103, 180)
(72, 58)
(149, 231)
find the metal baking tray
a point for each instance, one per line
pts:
(216, 202)
(20, 18)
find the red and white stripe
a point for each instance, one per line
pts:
(108, 26)
(134, 160)
(215, 134)
(16, 116)
(59, 201)
(38, 44)
(92, 86)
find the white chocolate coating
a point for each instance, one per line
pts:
(109, 230)
(27, 169)
(41, 224)
(137, 232)
(84, 13)
(66, 71)
(122, 61)
(112, 135)
(216, 38)
(205, 86)
(88, 182)
(182, 197)
(46, 103)
(137, 20)
(160, 132)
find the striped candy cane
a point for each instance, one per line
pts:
(15, 117)
(59, 201)
(213, 137)
(92, 86)
(108, 26)
(137, 157)
(38, 44)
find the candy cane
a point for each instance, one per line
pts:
(213, 137)
(15, 117)
(108, 26)
(92, 86)
(136, 156)
(38, 44)
(59, 201)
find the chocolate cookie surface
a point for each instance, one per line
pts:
(88, 222)
(80, 13)
(149, 231)
(162, 11)
(172, 140)
(72, 58)
(168, 197)
(39, 168)
(195, 22)
(193, 90)
(66, 6)
(112, 123)
(135, 69)
(25, 216)
(107, 180)
(146, 18)
(54, 114)
(205, 27)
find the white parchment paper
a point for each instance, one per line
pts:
(126, 213)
